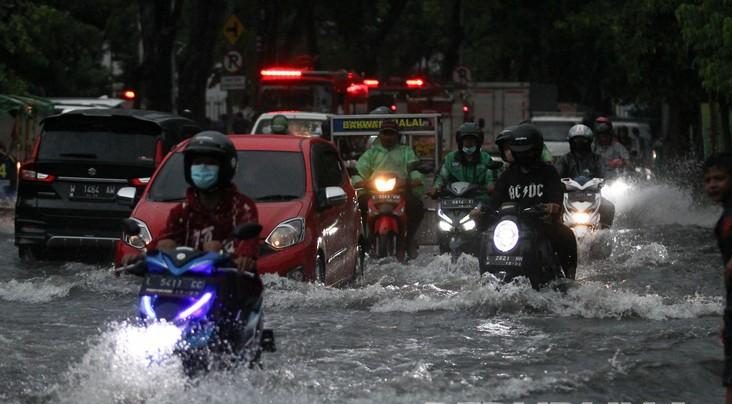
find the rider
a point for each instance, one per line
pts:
(280, 125)
(581, 161)
(504, 138)
(529, 182)
(387, 154)
(468, 163)
(614, 155)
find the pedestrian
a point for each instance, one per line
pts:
(718, 186)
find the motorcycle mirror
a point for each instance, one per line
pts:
(130, 227)
(247, 231)
(495, 165)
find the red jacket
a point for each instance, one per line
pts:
(192, 225)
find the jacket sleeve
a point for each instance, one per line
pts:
(364, 166)
(553, 187)
(175, 228)
(247, 213)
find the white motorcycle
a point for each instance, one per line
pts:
(581, 213)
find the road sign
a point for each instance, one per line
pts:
(233, 28)
(461, 74)
(233, 61)
(233, 83)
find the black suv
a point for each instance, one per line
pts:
(67, 192)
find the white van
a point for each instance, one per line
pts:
(555, 130)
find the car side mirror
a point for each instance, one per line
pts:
(126, 195)
(130, 227)
(247, 231)
(331, 196)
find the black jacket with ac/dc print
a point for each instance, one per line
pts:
(528, 187)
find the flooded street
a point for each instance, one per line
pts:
(641, 325)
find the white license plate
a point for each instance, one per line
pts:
(505, 260)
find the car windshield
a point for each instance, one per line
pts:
(113, 147)
(261, 175)
(305, 97)
(295, 126)
(554, 131)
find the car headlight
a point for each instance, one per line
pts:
(384, 184)
(581, 218)
(287, 233)
(505, 235)
(444, 226)
(138, 241)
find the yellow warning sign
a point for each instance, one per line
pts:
(233, 28)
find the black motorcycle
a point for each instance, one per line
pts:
(513, 246)
(457, 230)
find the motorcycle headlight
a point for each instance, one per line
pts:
(581, 218)
(287, 234)
(444, 226)
(138, 241)
(469, 225)
(384, 184)
(505, 235)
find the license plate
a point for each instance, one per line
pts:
(92, 191)
(172, 286)
(387, 198)
(505, 260)
(457, 203)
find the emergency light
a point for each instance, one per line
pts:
(415, 82)
(371, 83)
(281, 73)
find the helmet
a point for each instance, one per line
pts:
(526, 144)
(603, 125)
(505, 136)
(216, 145)
(389, 125)
(469, 129)
(580, 131)
(279, 125)
(380, 110)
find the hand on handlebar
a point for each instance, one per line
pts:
(552, 208)
(246, 264)
(433, 192)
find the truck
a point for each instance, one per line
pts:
(303, 89)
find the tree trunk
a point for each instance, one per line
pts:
(158, 22)
(724, 123)
(452, 52)
(207, 18)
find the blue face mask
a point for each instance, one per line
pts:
(204, 176)
(469, 150)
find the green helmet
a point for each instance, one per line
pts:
(279, 125)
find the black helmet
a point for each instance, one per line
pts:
(214, 144)
(381, 110)
(527, 144)
(469, 129)
(603, 126)
(505, 136)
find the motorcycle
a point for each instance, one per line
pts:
(512, 246)
(201, 294)
(458, 231)
(386, 218)
(581, 206)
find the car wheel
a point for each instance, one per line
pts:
(320, 268)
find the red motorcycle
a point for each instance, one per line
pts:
(386, 218)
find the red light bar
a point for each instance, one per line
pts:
(371, 82)
(415, 82)
(465, 108)
(358, 89)
(281, 73)
(393, 107)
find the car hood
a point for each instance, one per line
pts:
(270, 214)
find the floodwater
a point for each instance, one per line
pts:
(641, 325)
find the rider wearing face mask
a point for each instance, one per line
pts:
(213, 207)
(468, 163)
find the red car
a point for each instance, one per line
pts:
(306, 205)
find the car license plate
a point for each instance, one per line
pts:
(505, 260)
(459, 203)
(92, 191)
(172, 286)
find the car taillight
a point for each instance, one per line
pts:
(140, 182)
(30, 175)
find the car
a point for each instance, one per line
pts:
(311, 224)
(299, 122)
(65, 104)
(555, 130)
(67, 190)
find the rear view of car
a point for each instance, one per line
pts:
(67, 192)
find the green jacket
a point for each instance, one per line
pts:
(397, 160)
(454, 169)
(546, 155)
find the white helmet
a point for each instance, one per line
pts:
(580, 130)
